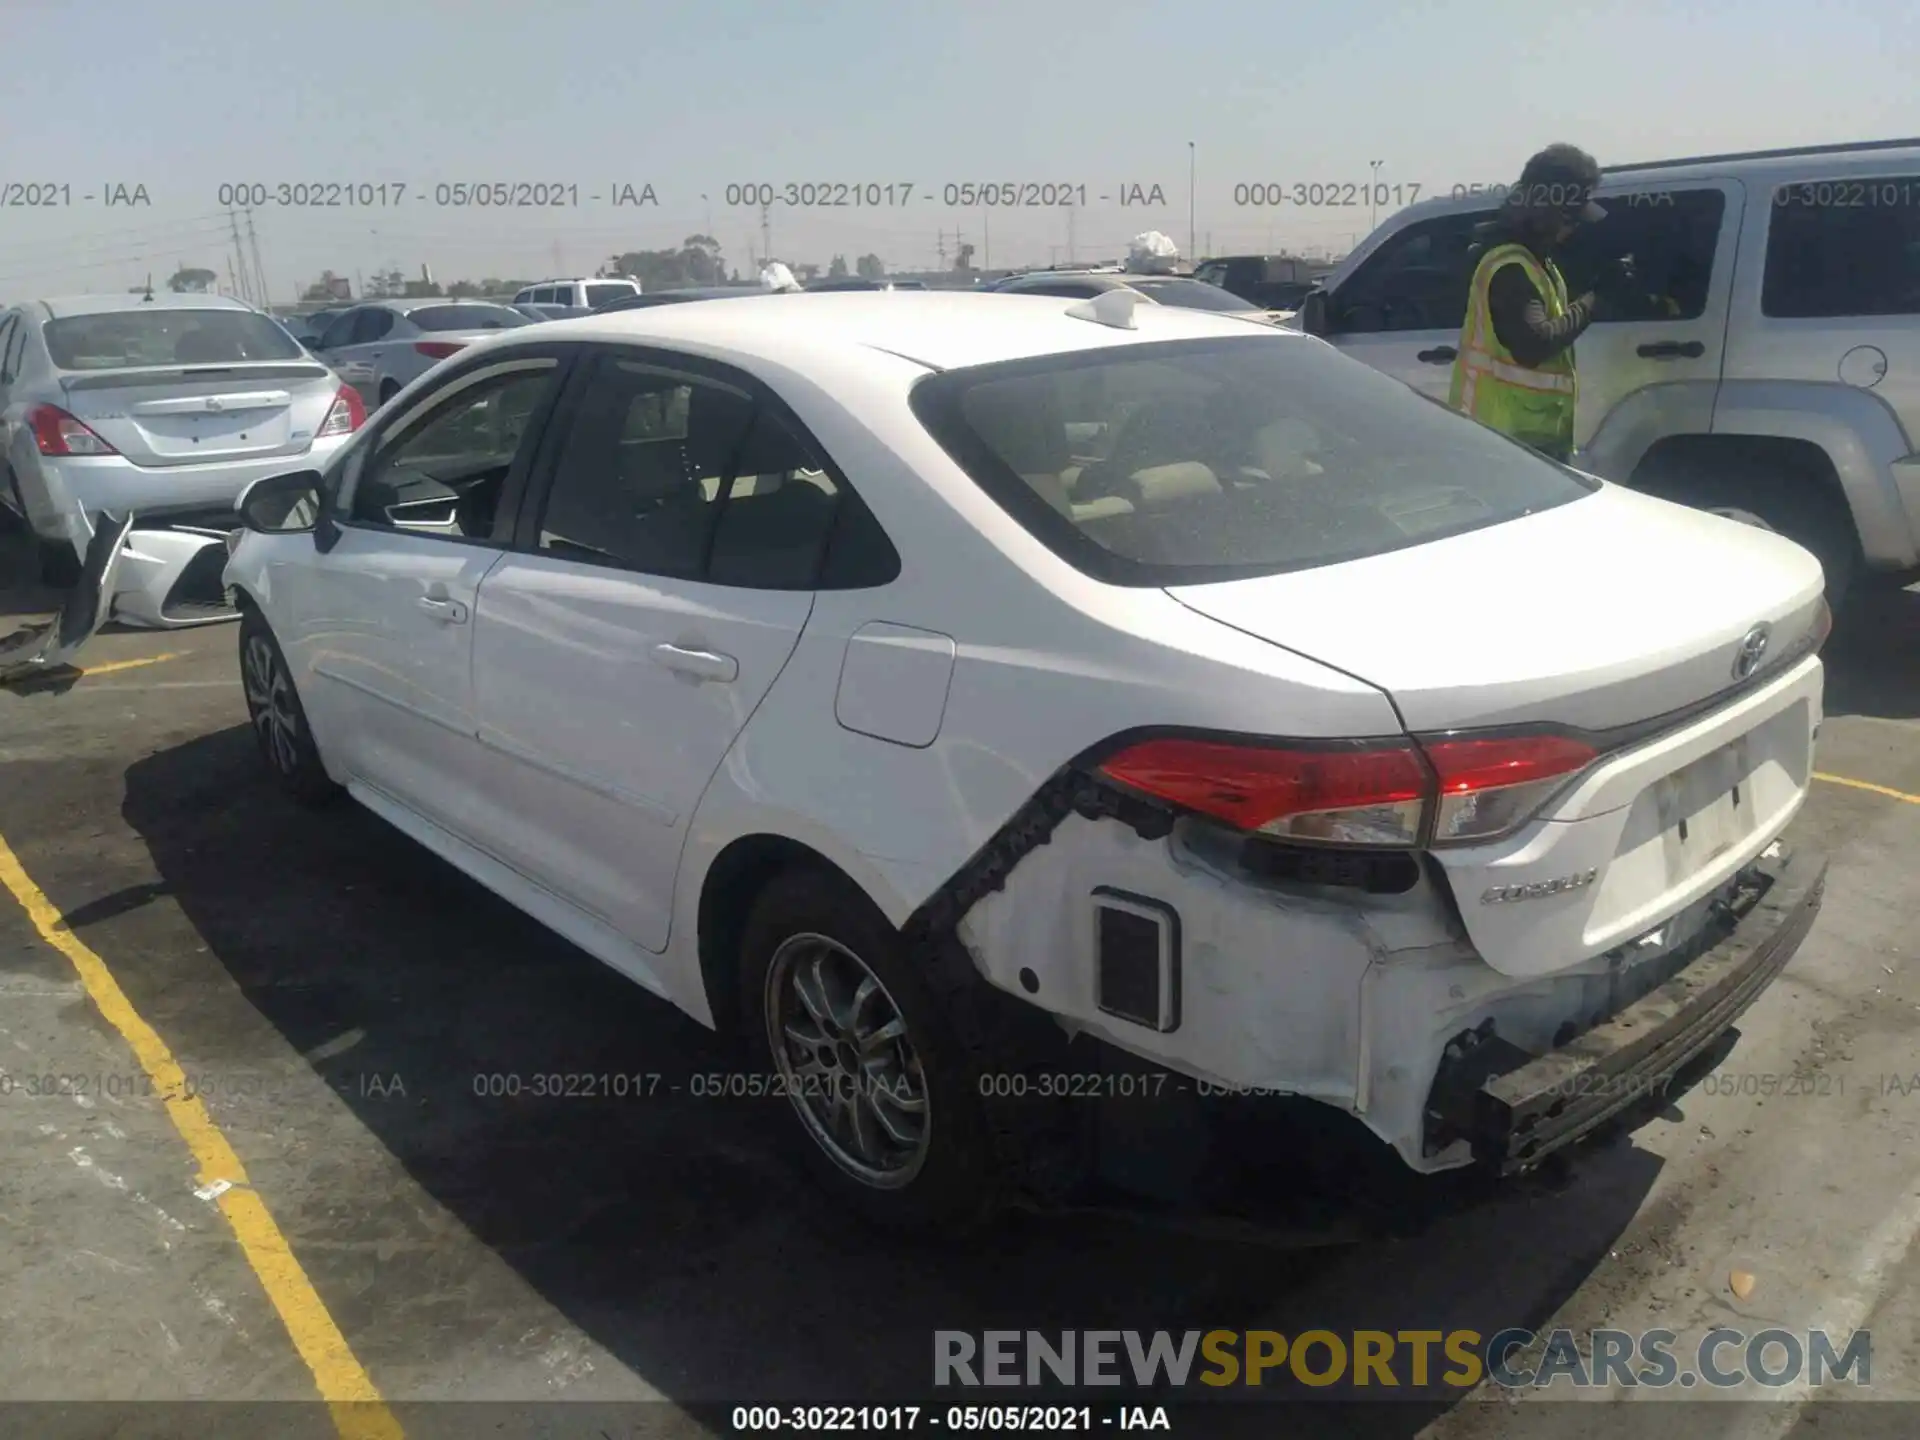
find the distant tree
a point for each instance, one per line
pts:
(463, 290)
(420, 290)
(838, 269)
(963, 262)
(189, 278)
(804, 273)
(870, 267)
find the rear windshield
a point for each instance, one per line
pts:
(1191, 294)
(600, 294)
(1191, 461)
(120, 339)
(467, 317)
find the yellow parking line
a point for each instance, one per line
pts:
(114, 665)
(358, 1411)
(1866, 785)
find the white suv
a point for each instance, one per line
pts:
(1773, 370)
(1107, 685)
(580, 294)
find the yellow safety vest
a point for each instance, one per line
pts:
(1533, 405)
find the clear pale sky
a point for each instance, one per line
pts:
(692, 97)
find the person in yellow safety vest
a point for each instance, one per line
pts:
(1514, 369)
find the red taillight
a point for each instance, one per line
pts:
(1488, 786)
(439, 349)
(58, 433)
(348, 414)
(1375, 794)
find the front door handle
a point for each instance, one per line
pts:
(700, 664)
(448, 612)
(1672, 349)
(1439, 355)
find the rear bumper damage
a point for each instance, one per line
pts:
(1515, 1109)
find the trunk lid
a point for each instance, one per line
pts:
(1611, 609)
(158, 416)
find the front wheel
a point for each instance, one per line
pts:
(882, 1091)
(278, 718)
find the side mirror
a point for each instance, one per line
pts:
(282, 504)
(1313, 312)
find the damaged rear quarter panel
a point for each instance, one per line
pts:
(1272, 977)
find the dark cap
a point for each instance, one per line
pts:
(1560, 178)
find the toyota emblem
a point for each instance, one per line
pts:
(1753, 648)
(214, 404)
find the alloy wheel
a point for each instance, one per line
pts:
(844, 1054)
(270, 704)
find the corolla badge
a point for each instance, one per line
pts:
(1539, 889)
(1753, 648)
(215, 405)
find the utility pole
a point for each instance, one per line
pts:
(766, 230)
(1070, 216)
(230, 285)
(1192, 253)
(240, 255)
(1373, 194)
(940, 247)
(253, 243)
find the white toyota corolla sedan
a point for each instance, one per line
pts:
(991, 705)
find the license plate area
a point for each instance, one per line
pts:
(1706, 808)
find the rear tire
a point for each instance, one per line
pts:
(886, 1101)
(278, 718)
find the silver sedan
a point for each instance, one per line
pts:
(165, 407)
(381, 347)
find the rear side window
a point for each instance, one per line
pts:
(125, 338)
(371, 325)
(597, 294)
(1194, 461)
(467, 317)
(1843, 248)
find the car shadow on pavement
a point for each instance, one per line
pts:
(674, 1227)
(1873, 657)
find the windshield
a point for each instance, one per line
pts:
(120, 339)
(1183, 462)
(467, 317)
(1191, 294)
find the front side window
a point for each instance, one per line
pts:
(1671, 235)
(123, 339)
(1843, 248)
(1193, 461)
(443, 473)
(370, 325)
(1416, 280)
(1192, 295)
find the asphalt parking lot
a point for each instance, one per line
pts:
(337, 1000)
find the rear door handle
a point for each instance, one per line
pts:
(1440, 355)
(701, 664)
(448, 612)
(1672, 349)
